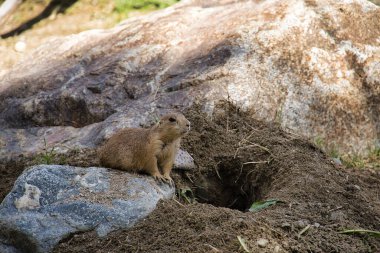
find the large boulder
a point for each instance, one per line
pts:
(48, 203)
(312, 66)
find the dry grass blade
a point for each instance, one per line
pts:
(259, 146)
(243, 244)
(246, 138)
(213, 249)
(179, 203)
(303, 231)
(361, 231)
(252, 145)
(256, 162)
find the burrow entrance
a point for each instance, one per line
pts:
(232, 184)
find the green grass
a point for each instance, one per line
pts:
(369, 161)
(259, 205)
(124, 6)
(48, 156)
(353, 161)
(319, 142)
(186, 195)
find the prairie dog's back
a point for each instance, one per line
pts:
(125, 145)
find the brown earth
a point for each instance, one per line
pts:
(241, 160)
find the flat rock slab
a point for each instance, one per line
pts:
(49, 202)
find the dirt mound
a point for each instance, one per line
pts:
(241, 160)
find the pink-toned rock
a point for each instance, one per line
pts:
(313, 66)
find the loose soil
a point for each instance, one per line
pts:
(239, 161)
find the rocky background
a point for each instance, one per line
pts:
(312, 66)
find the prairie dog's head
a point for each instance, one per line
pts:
(174, 124)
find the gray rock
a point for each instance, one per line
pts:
(47, 203)
(337, 161)
(184, 161)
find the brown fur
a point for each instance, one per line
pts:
(146, 150)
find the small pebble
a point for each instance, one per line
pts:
(353, 187)
(301, 223)
(20, 46)
(337, 161)
(276, 249)
(285, 225)
(262, 243)
(337, 216)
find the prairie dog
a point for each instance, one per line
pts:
(146, 150)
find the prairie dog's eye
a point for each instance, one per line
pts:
(171, 119)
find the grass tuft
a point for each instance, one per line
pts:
(124, 6)
(369, 161)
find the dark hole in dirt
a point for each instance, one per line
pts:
(234, 184)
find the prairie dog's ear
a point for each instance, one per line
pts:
(172, 119)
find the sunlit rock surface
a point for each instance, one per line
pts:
(312, 66)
